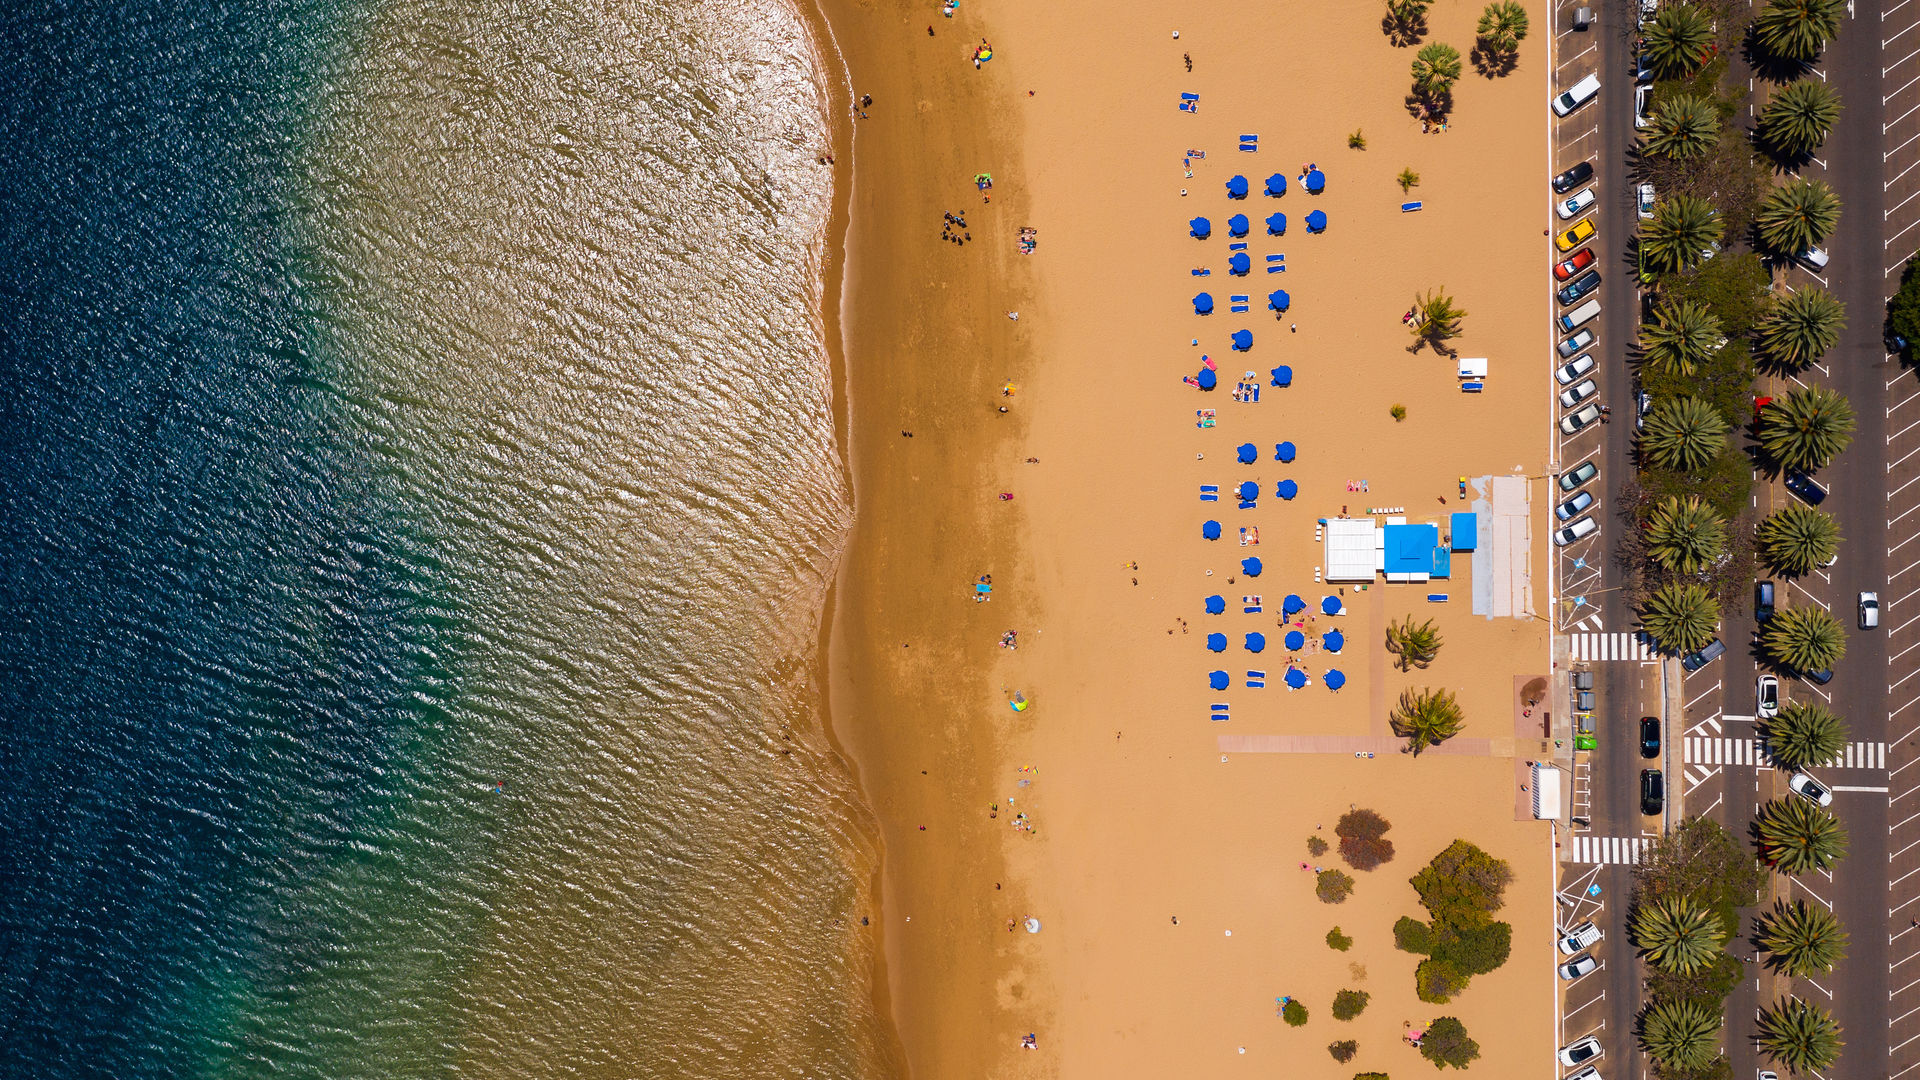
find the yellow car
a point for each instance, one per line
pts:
(1581, 232)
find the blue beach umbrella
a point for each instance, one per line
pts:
(1237, 225)
(1296, 678)
(1200, 228)
(1217, 642)
(1217, 680)
(1278, 300)
(1203, 304)
(1276, 185)
(1335, 678)
(1330, 606)
(1242, 340)
(1249, 491)
(1247, 453)
(1283, 452)
(1317, 221)
(1216, 605)
(1250, 567)
(1239, 265)
(1207, 379)
(1316, 182)
(1296, 641)
(1283, 376)
(1210, 530)
(1292, 604)
(1256, 642)
(1286, 489)
(1333, 641)
(1237, 188)
(1276, 224)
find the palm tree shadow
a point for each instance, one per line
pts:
(1432, 107)
(1404, 33)
(1774, 69)
(1493, 65)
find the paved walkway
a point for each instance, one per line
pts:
(1357, 744)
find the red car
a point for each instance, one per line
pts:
(1580, 261)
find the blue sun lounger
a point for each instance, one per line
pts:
(1202, 272)
(1209, 492)
(1220, 711)
(1256, 680)
(1241, 246)
(1189, 102)
(1249, 143)
(1409, 207)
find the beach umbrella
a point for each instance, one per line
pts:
(1276, 185)
(1217, 680)
(1333, 641)
(1283, 452)
(1286, 489)
(1207, 379)
(1247, 453)
(1296, 641)
(1237, 225)
(1276, 224)
(1239, 265)
(1292, 604)
(1317, 221)
(1335, 678)
(1256, 642)
(1296, 678)
(1201, 228)
(1210, 530)
(1283, 376)
(1242, 340)
(1250, 567)
(1278, 300)
(1216, 605)
(1217, 642)
(1203, 304)
(1237, 188)
(1316, 182)
(1331, 606)
(1249, 491)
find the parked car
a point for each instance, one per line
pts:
(1584, 936)
(1642, 66)
(1810, 789)
(1579, 530)
(1575, 205)
(1818, 678)
(1574, 507)
(1814, 259)
(1573, 177)
(1580, 287)
(1580, 261)
(1576, 394)
(1577, 95)
(1762, 601)
(1574, 368)
(1805, 488)
(1581, 473)
(1573, 422)
(1575, 343)
(1642, 405)
(1869, 611)
(1588, 1073)
(1642, 97)
(1766, 697)
(1578, 317)
(1578, 966)
(1581, 232)
(1704, 655)
(1653, 792)
(1649, 736)
(1581, 1051)
(1643, 203)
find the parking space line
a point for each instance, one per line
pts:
(1794, 583)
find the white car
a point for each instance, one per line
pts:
(1766, 695)
(1575, 206)
(1579, 530)
(1573, 422)
(1580, 937)
(1642, 97)
(1646, 200)
(1577, 394)
(1810, 789)
(1581, 1051)
(1576, 95)
(1578, 966)
(1588, 1073)
(1869, 610)
(1575, 506)
(1575, 368)
(1814, 259)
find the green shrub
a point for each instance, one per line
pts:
(1316, 847)
(1446, 1044)
(1437, 980)
(1348, 1004)
(1338, 940)
(1475, 946)
(1412, 935)
(1333, 887)
(1462, 878)
(1293, 1012)
(1343, 1050)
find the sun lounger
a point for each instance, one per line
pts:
(1472, 387)
(1277, 268)
(1277, 258)
(1202, 273)
(1239, 300)
(1256, 680)
(1409, 207)
(1209, 492)
(1239, 245)
(1220, 711)
(1237, 308)
(1436, 598)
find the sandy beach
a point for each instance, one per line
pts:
(1138, 817)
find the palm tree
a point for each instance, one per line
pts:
(1681, 618)
(1406, 20)
(1415, 645)
(1804, 639)
(1807, 428)
(1685, 535)
(1426, 718)
(1435, 67)
(1435, 318)
(1680, 229)
(1797, 215)
(1797, 837)
(1678, 41)
(1678, 935)
(1803, 940)
(1797, 30)
(1799, 118)
(1681, 336)
(1502, 27)
(1684, 128)
(1797, 538)
(1684, 434)
(1799, 327)
(1682, 1035)
(1801, 1036)
(1804, 734)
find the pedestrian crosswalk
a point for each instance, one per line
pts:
(1588, 648)
(1701, 750)
(1609, 849)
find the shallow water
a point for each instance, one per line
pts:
(420, 485)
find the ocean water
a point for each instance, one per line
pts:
(419, 489)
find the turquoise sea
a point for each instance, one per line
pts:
(420, 489)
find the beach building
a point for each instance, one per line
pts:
(1364, 549)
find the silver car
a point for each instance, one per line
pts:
(1574, 368)
(1578, 966)
(1581, 1051)
(1574, 507)
(1576, 394)
(1869, 610)
(1573, 422)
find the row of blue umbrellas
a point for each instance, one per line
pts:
(1277, 300)
(1315, 182)
(1248, 452)
(1200, 228)
(1295, 679)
